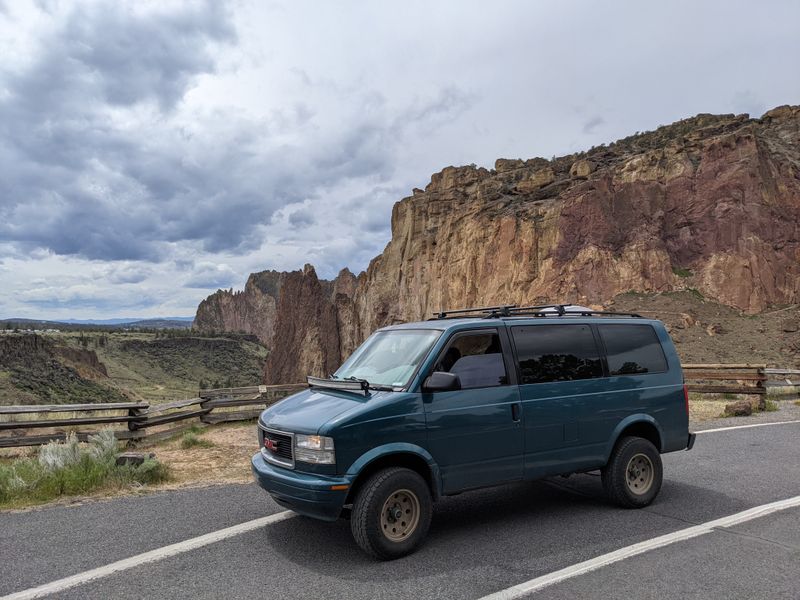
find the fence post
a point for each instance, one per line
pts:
(136, 433)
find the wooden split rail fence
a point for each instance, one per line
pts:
(746, 379)
(36, 424)
(23, 425)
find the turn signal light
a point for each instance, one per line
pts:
(686, 397)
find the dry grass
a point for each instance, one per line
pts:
(705, 410)
(223, 456)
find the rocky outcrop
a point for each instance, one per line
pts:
(250, 311)
(306, 332)
(84, 361)
(710, 203)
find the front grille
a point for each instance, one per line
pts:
(277, 446)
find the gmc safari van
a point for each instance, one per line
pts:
(476, 398)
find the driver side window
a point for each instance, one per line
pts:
(477, 359)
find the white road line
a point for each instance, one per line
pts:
(146, 557)
(534, 585)
(745, 426)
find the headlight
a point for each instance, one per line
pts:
(316, 449)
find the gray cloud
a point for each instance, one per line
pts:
(593, 123)
(301, 218)
(211, 276)
(79, 297)
(76, 180)
(84, 183)
(128, 274)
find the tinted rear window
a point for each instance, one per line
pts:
(556, 353)
(632, 349)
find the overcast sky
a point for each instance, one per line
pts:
(153, 152)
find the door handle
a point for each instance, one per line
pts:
(515, 411)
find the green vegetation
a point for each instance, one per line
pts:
(190, 440)
(681, 272)
(223, 362)
(696, 293)
(69, 468)
(771, 406)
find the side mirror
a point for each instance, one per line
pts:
(441, 381)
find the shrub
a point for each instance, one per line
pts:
(68, 468)
(58, 455)
(190, 440)
(104, 446)
(696, 293)
(681, 272)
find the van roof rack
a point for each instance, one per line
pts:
(512, 310)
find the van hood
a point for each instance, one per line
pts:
(307, 411)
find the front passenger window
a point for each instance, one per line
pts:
(477, 359)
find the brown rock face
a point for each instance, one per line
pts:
(581, 169)
(251, 310)
(306, 331)
(710, 203)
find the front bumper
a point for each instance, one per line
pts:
(304, 493)
(690, 442)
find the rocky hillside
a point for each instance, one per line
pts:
(710, 203)
(34, 370)
(117, 366)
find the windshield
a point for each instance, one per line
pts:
(389, 357)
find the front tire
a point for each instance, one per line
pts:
(632, 478)
(392, 513)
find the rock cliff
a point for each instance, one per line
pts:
(710, 203)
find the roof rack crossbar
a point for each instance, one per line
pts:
(490, 310)
(560, 308)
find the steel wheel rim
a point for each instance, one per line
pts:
(400, 515)
(639, 474)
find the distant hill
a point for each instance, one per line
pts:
(130, 323)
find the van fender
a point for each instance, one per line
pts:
(374, 454)
(627, 422)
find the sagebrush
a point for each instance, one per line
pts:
(70, 468)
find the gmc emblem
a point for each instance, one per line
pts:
(270, 445)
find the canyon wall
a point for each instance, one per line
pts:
(710, 203)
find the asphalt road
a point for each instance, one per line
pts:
(480, 542)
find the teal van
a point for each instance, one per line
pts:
(475, 398)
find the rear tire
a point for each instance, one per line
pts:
(391, 513)
(632, 478)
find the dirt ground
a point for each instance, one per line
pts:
(226, 461)
(708, 332)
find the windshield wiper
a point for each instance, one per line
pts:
(372, 386)
(381, 388)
